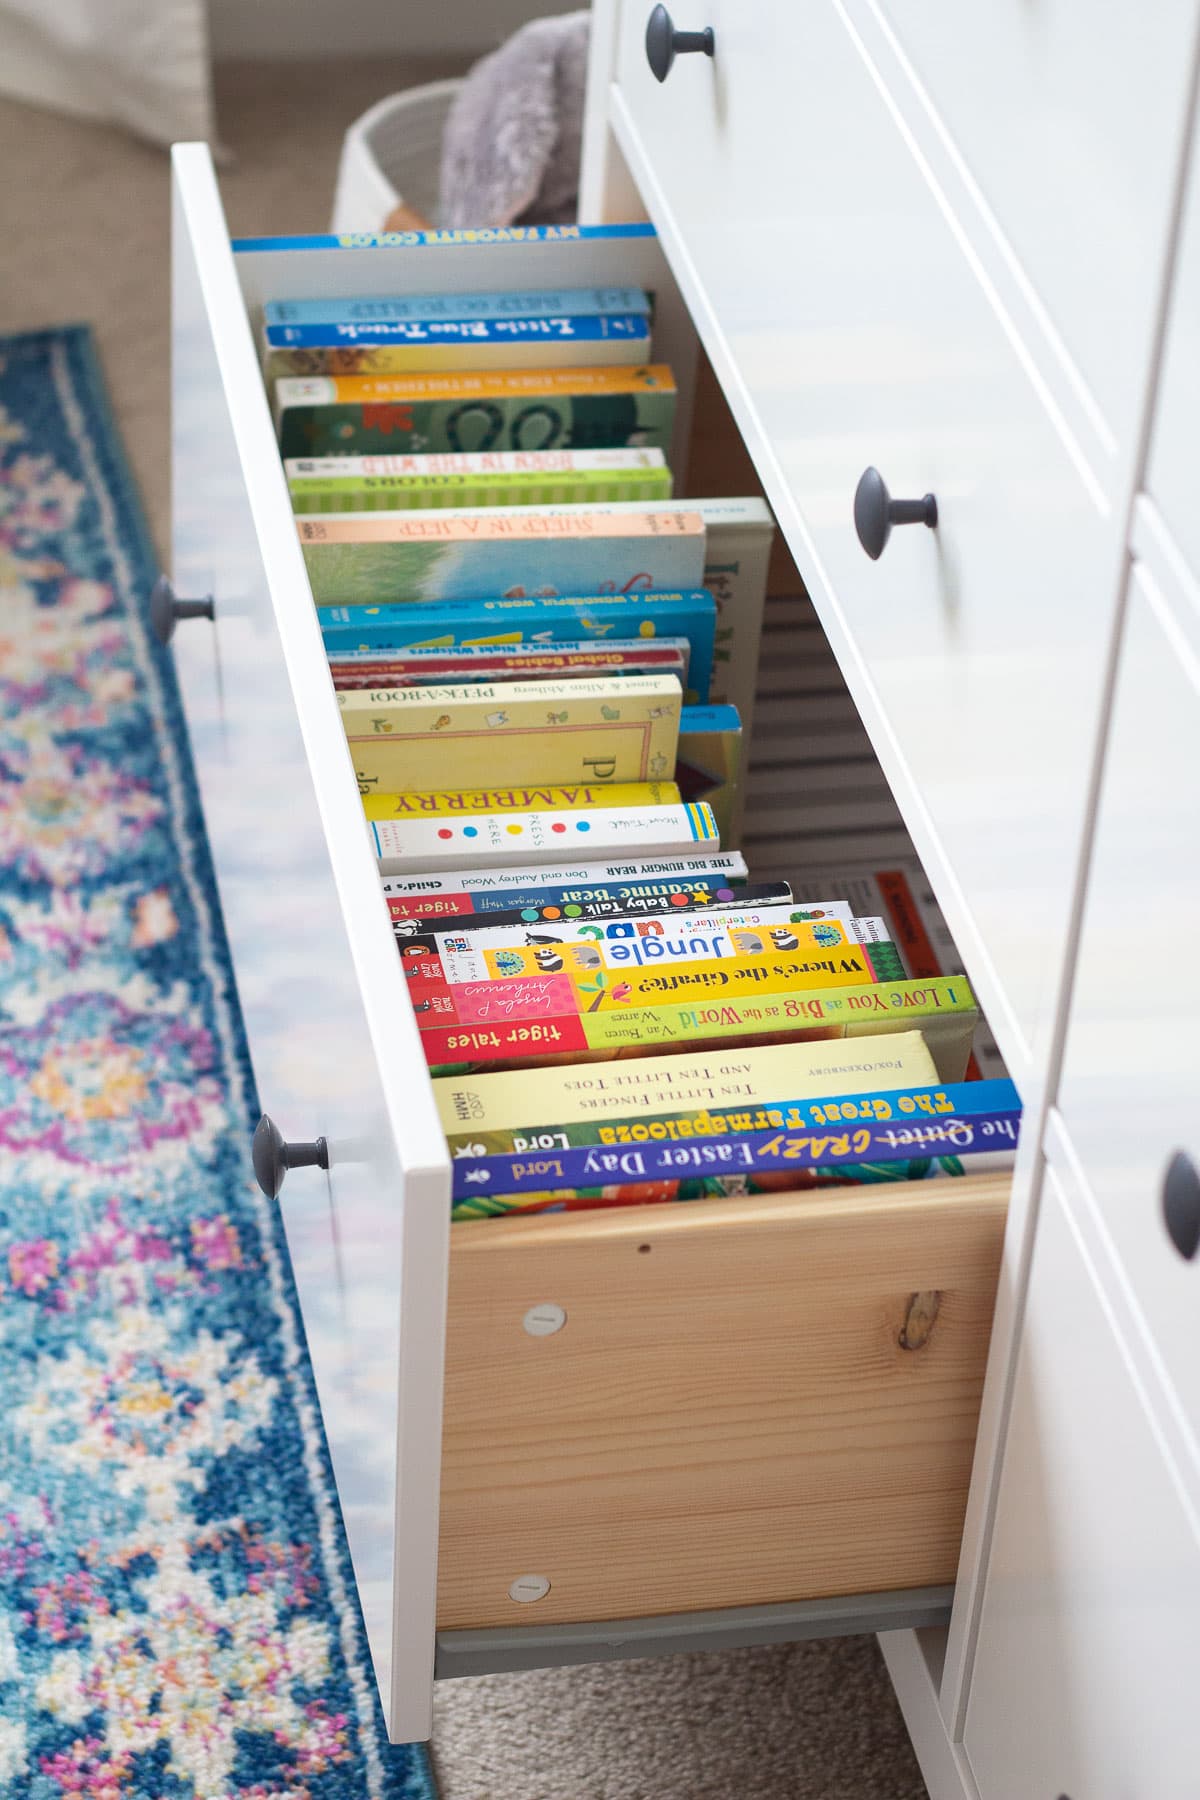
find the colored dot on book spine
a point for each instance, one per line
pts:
(514, 830)
(558, 826)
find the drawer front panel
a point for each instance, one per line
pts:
(850, 330)
(1130, 1087)
(332, 1039)
(1171, 471)
(748, 1401)
(1070, 122)
(1089, 1636)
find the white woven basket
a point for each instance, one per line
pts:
(393, 153)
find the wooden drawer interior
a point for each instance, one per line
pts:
(750, 1401)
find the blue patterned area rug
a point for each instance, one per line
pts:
(177, 1612)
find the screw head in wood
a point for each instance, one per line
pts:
(544, 1320)
(527, 1588)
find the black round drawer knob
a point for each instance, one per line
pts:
(1181, 1204)
(664, 43)
(166, 609)
(274, 1156)
(875, 512)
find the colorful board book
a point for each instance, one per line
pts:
(715, 876)
(488, 478)
(542, 918)
(656, 940)
(366, 559)
(545, 621)
(515, 409)
(494, 840)
(449, 803)
(578, 662)
(615, 729)
(509, 1022)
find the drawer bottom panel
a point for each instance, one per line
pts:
(747, 1402)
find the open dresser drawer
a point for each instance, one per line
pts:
(756, 1418)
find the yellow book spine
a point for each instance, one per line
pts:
(491, 735)
(491, 384)
(513, 1099)
(735, 977)
(447, 802)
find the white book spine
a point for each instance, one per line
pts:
(504, 840)
(728, 863)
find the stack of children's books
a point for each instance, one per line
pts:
(546, 665)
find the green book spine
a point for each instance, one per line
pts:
(396, 493)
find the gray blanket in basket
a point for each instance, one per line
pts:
(511, 147)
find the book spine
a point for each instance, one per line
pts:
(395, 362)
(499, 751)
(545, 1022)
(664, 934)
(496, 839)
(451, 802)
(529, 420)
(578, 700)
(736, 1153)
(432, 656)
(653, 942)
(545, 914)
(504, 385)
(599, 989)
(295, 313)
(358, 672)
(542, 898)
(363, 559)
(664, 877)
(525, 332)
(477, 466)
(464, 490)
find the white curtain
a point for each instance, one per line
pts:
(143, 64)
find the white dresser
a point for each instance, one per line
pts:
(963, 246)
(959, 251)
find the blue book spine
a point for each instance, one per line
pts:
(569, 301)
(533, 329)
(736, 1153)
(530, 623)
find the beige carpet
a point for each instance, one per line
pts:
(85, 229)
